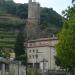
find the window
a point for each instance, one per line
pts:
(36, 50)
(29, 56)
(36, 56)
(33, 50)
(30, 51)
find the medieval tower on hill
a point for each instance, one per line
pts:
(33, 19)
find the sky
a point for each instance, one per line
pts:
(57, 5)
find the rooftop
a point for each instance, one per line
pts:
(43, 39)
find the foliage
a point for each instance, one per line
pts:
(49, 17)
(66, 45)
(9, 27)
(73, 1)
(33, 71)
(11, 30)
(19, 10)
(50, 21)
(19, 46)
(11, 36)
(4, 53)
(57, 61)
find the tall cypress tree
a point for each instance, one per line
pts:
(19, 46)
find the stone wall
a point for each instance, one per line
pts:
(12, 68)
(33, 19)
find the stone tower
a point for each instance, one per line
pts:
(33, 19)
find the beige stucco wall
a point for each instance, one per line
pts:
(45, 49)
(47, 53)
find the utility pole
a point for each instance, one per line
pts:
(36, 61)
(26, 44)
(43, 66)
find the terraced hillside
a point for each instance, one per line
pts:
(9, 29)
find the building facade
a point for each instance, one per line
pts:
(41, 53)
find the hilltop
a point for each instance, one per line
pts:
(50, 20)
(13, 20)
(10, 26)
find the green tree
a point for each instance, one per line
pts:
(66, 44)
(50, 20)
(73, 1)
(4, 53)
(19, 46)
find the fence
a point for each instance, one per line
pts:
(8, 67)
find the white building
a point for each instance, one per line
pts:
(41, 53)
